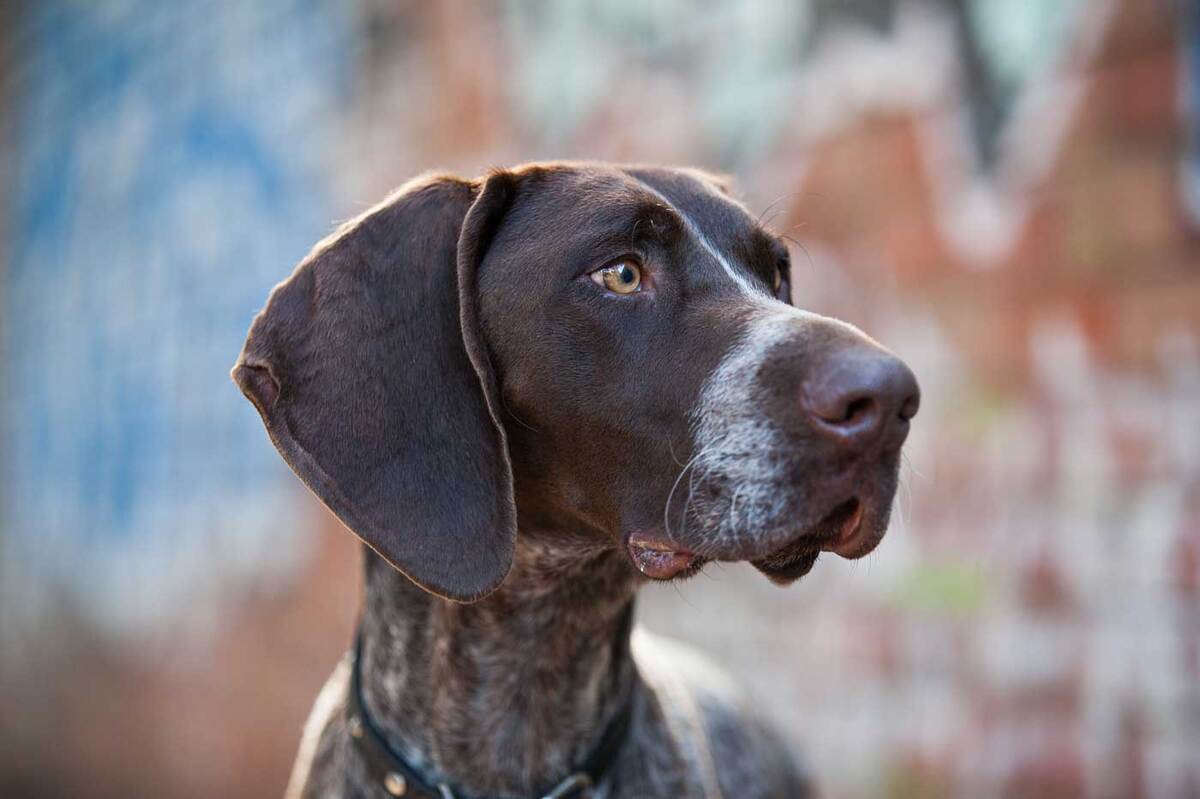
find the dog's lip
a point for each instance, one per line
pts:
(659, 559)
(847, 539)
(840, 531)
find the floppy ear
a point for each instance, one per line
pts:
(369, 372)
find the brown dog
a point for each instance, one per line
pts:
(527, 394)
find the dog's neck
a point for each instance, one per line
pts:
(508, 694)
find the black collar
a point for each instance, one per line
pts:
(389, 770)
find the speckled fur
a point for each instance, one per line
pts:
(503, 696)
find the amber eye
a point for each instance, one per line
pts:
(623, 277)
(778, 281)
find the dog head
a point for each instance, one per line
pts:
(604, 352)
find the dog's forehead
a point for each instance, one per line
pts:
(588, 197)
(702, 197)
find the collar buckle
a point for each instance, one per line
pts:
(579, 781)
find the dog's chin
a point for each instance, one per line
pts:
(784, 544)
(852, 529)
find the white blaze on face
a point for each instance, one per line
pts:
(738, 277)
(735, 440)
(744, 284)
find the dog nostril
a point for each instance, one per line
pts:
(909, 409)
(855, 411)
(845, 413)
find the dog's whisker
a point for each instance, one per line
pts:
(671, 452)
(731, 515)
(803, 249)
(767, 222)
(770, 205)
(776, 201)
(910, 466)
(671, 495)
(687, 505)
(682, 597)
(516, 418)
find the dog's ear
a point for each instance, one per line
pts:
(369, 371)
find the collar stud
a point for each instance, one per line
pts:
(395, 784)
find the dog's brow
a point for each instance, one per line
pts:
(654, 220)
(623, 225)
(738, 278)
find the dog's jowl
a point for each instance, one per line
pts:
(528, 394)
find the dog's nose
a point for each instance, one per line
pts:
(861, 397)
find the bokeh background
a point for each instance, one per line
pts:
(1007, 192)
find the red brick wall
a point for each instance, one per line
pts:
(1029, 626)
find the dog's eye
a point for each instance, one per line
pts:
(781, 268)
(622, 277)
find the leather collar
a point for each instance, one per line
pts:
(388, 769)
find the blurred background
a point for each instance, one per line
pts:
(1006, 192)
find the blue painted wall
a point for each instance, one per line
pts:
(166, 170)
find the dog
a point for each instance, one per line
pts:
(528, 394)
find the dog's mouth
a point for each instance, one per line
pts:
(841, 531)
(660, 560)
